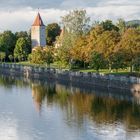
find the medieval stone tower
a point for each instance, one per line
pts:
(38, 33)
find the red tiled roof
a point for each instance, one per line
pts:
(38, 21)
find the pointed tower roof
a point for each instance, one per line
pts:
(38, 21)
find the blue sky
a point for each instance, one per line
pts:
(19, 15)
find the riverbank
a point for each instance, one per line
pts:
(78, 78)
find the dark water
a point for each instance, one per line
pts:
(35, 110)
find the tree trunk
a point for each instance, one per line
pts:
(84, 65)
(110, 68)
(131, 68)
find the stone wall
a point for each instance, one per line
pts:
(76, 78)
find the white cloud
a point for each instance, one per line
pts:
(73, 4)
(114, 12)
(118, 2)
(22, 19)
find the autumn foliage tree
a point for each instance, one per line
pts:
(106, 45)
(130, 45)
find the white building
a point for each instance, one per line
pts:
(38, 32)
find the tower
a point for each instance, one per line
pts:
(38, 33)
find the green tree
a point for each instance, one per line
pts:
(76, 22)
(40, 56)
(121, 24)
(20, 34)
(11, 57)
(63, 52)
(2, 56)
(52, 31)
(109, 26)
(26, 36)
(21, 51)
(118, 60)
(97, 61)
(49, 57)
(7, 42)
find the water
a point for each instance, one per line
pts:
(35, 110)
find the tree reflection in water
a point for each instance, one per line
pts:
(79, 105)
(93, 110)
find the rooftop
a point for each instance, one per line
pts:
(38, 21)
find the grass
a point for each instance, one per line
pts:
(59, 65)
(124, 72)
(26, 63)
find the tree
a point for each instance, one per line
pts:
(118, 59)
(42, 55)
(2, 56)
(20, 34)
(93, 35)
(7, 42)
(52, 31)
(77, 50)
(21, 51)
(106, 44)
(130, 45)
(109, 26)
(11, 57)
(76, 22)
(81, 50)
(121, 25)
(37, 56)
(26, 36)
(63, 52)
(97, 61)
(49, 55)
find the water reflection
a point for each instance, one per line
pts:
(40, 92)
(98, 110)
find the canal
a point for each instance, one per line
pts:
(44, 110)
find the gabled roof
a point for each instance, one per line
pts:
(38, 21)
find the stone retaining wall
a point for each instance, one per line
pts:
(80, 78)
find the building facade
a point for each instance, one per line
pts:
(38, 33)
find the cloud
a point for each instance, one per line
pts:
(118, 2)
(114, 12)
(21, 18)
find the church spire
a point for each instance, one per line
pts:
(38, 21)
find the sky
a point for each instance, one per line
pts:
(17, 15)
